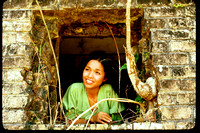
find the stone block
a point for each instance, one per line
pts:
(14, 49)
(13, 116)
(190, 11)
(184, 72)
(16, 62)
(185, 125)
(166, 113)
(159, 47)
(155, 23)
(177, 85)
(169, 34)
(141, 126)
(14, 126)
(169, 125)
(9, 38)
(163, 72)
(14, 88)
(182, 46)
(12, 101)
(186, 98)
(182, 22)
(12, 75)
(164, 11)
(193, 58)
(179, 59)
(166, 99)
(181, 34)
(156, 126)
(161, 34)
(160, 59)
(23, 37)
(169, 86)
(187, 85)
(17, 14)
(153, 2)
(181, 113)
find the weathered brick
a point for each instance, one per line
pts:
(10, 75)
(190, 11)
(9, 38)
(187, 85)
(177, 85)
(169, 34)
(182, 22)
(161, 34)
(168, 125)
(176, 112)
(14, 49)
(184, 72)
(164, 11)
(17, 14)
(23, 38)
(154, 2)
(14, 126)
(14, 88)
(155, 23)
(11, 101)
(178, 59)
(163, 72)
(186, 98)
(185, 125)
(143, 125)
(160, 59)
(16, 62)
(13, 116)
(181, 34)
(166, 113)
(182, 112)
(182, 46)
(19, 26)
(193, 58)
(156, 126)
(169, 85)
(166, 99)
(170, 59)
(159, 47)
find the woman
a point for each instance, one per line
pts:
(81, 96)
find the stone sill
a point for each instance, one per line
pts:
(130, 126)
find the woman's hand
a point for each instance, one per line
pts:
(101, 117)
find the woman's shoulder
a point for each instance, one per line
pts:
(107, 87)
(76, 86)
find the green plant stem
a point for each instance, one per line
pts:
(107, 99)
(117, 54)
(54, 56)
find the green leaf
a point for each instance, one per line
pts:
(136, 57)
(123, 66)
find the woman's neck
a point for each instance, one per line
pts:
(92, 92)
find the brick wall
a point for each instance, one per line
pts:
(174, 57)
(16, 53)
(173, 39)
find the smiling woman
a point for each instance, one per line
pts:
(97, 76)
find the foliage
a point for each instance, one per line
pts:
(179, 5)
(140, 100)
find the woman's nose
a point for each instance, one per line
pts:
(90, 74)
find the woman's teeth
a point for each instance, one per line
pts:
(89, 81)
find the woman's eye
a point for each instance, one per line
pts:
(98, 73)
(86, 69)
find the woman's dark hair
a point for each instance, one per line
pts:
(110, 68)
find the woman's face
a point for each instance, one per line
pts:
(93, 74)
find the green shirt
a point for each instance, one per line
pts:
(75, 102)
